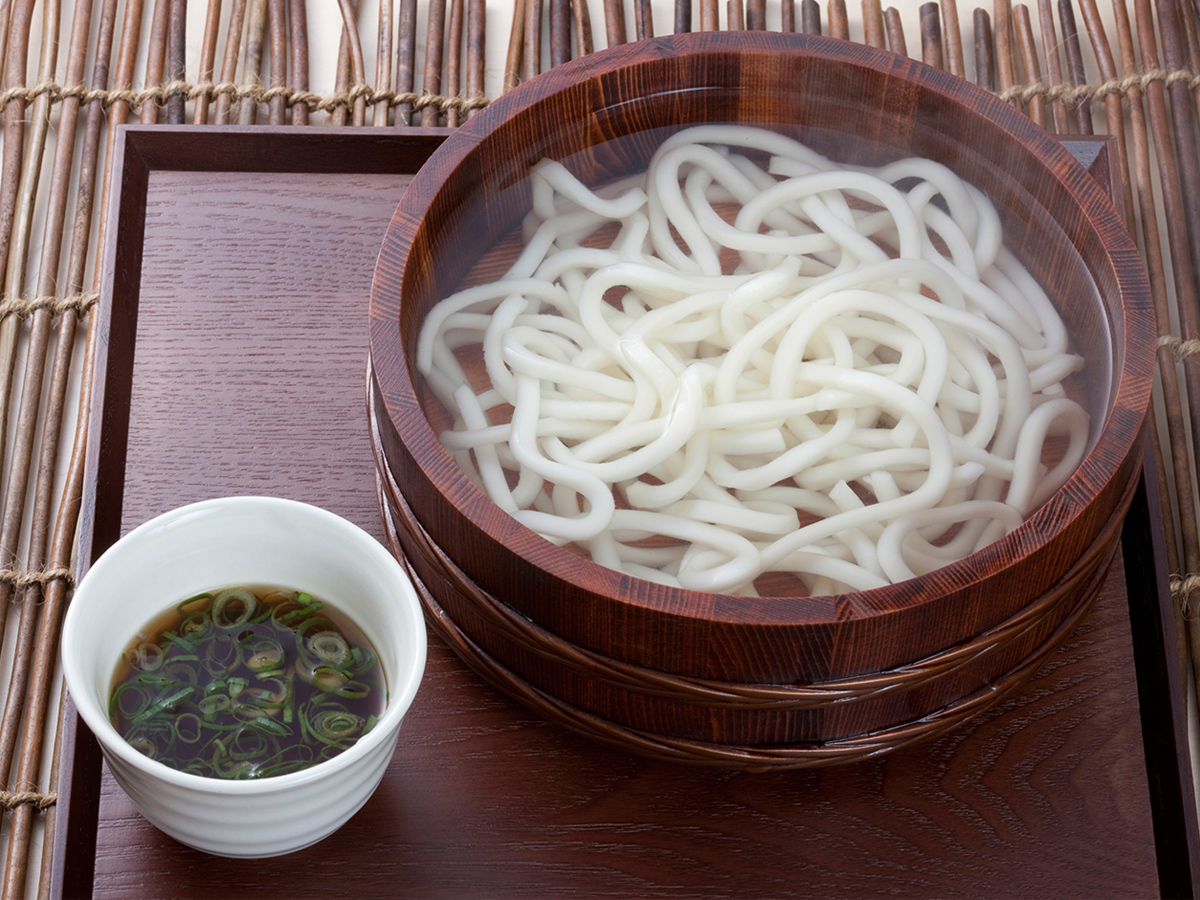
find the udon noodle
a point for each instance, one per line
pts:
(750, 359)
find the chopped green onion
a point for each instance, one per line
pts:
(233, 607)
(247, 684)
(145, 656)
(188, 728)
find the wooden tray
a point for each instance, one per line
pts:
(232, 361)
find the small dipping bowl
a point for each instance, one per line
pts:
(220, 543)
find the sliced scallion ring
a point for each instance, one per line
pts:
(233, 607)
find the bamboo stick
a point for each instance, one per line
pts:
(358, 67)
(256, 29)
(1188, 15)
(176, 59)
(531, 38)
(5, 23)
(1027, 50)
(298, 31)
(614, 22)
(46, 872)
(434, 38)
(756, 15)
(233, 43)
(350, 65)
(985, 75)
(583, 27)
(10, 167)
(735, 19)
(953, 38)
(874, 34)
(643, 18)
(683, 15)
(208, 59)
(1183, 115)
(516, 48)
(476, 46)
(810, 17)
(839, 24)
(895, 31)
(156, 59)
(383, 62)
(27, 165)
(1050, 48)
(1113, 113)
(1083, 106)
(560, 32)
(406, 55)
(454, 60)
(931, 36)
(277, 28)
(1002, 47)
(339, 115)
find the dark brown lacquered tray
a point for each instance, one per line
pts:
(231, 361)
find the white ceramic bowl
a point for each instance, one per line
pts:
(244, 540)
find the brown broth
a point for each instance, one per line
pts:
(247, 682)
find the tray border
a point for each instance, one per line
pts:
(143, 150)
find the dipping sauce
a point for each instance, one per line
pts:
(247, 682)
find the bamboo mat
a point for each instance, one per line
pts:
(69, 75)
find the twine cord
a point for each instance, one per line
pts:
(236, 92)
(10, 800)
(161, 94)
(1182, 348)
(23, 307)
(1121, 86)
(21, 580)
(1184, 590)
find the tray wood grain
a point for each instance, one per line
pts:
(233, 361)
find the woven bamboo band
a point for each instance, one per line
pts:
(10, 800)
(21, 580)
(238, 92)
(27, 306)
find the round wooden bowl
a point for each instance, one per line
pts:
(730, 680)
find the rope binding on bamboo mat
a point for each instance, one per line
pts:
(1070, 93)
(27, 306)
(238, 92)
(1182, 589)
(347, 98)
(10, 800)
(22, 580)
(1181, 347)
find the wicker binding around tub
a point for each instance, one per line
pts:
(740, 681)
